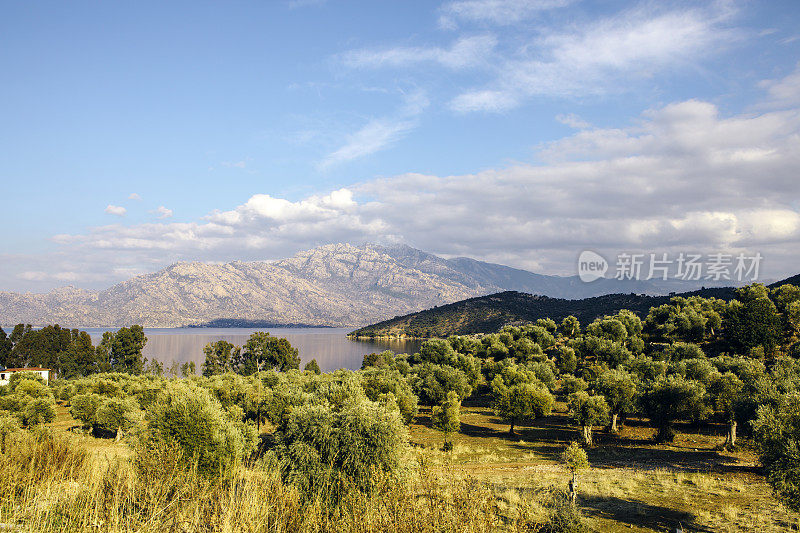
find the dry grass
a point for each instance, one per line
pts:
(489, 482)
(51, 482)
(634, 485)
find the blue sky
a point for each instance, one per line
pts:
(521, 132)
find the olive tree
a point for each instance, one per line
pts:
(575, 458)
(447, 416)
(84, 407)
(522, 401)
(116, 415)
(187, 418)
(324, 447)
(588, 411)
(777, 435)
(673, 398)
(619, 390)
(725, 390)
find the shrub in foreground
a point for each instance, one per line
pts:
(188, 418)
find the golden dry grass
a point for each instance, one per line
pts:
(490, 481)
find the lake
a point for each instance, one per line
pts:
(329, 346)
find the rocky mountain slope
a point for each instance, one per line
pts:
(334, 285)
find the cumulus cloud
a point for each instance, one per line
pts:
(134, 196)
(681, 178)
(116, 210)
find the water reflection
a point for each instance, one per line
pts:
(329, 346)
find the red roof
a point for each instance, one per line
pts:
(32, 369)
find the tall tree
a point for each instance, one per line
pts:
(263, 352)
(5, 348)
(220, 356)
(124, 349)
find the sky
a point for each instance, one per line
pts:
(135, 135)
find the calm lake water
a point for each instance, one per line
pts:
(329, 346)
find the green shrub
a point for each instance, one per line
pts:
(84, 407)
(327, 448)
(189, 418)
(39, 411)
(116, 414)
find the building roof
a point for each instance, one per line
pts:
(31, 369)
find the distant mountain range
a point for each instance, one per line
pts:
(333, 285)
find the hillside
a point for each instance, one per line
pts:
(332, 285)
(486, 314)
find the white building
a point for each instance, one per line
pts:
(8, 372)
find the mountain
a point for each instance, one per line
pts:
(333, 285)
(487, 314)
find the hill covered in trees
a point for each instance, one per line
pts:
(487, 314)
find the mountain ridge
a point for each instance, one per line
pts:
(331, 285)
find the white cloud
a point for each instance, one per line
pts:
(378, 133)
(681, 178)
(234, 164)
(492, 101)
(501, 12)
(134, 196)
(116, 210)
(465, 52)
(573, 121)
(784, 92)
(162, 212)
(592, 57)
(608, 55)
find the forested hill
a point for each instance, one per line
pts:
(486, 314)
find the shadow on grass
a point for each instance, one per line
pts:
(664, 458)
(638, 513)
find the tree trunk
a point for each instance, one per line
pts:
(573, 489)
(614, 422)
(587, 435)
(119, 435)
(511, 429)
(730, 438)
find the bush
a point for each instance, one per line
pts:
(189, 418)
(116, 414)
(84, 407)
(326, 448)
(39, 411)
(563, 516)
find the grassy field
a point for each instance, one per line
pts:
(632, 485)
